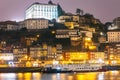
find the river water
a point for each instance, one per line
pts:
(110, 75)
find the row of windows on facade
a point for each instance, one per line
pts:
(43, 15)
(46, 10)
(36, 27)
(38, 24)
(109, 33)
(62, 36)
(51, 10)
(114, 40)
(43, 7)
(37, 21)
(115, 37)
(47, 16)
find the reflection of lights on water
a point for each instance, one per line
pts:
(114, 72)
(20, 76)
(53, 77)
(58, 68)
(86, 76)
(59, 76)
(8, 76)
(27, 76)
(101, 76)
(70, 78)
(36, 76)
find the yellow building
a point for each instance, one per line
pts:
(97, 57)
(69, 20)
(71, 25)
(76, 56)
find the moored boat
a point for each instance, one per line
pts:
(62, 68)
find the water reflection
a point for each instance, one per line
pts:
(8, 76)
(86, 76)
(101, 76)
(111, 75)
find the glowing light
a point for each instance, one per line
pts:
(58, 68)
(20, 76)
(7, 76)
(36, 76)
(92, 47)
(55, 62)
(88, 40)
(27, 76)
(100, 61)
(101, 76)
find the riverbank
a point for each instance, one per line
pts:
(40, 69)
(19, 69)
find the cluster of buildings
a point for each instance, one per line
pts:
(95, 47)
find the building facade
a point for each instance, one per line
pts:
(9, 25)
(116, 22)
(36, 23)
(40, 10)
(113, 36)
(66, 33)
(69, 20)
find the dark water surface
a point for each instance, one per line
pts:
(110, 75)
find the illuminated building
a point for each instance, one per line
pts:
(36, 23)
(114, 53)
(76, 56)
(88, 28)
(46, 52)
(66, 33)
(39, 10)
(19, 53)
(69, 20)
(36, 52)
(51, 52)
(68, 17)
(9, 25)
(96, 56)
(6, 56)
(87, 33)
(112, 27)
(102, 39)
(116, 22)
(27, 41)
(113, 36)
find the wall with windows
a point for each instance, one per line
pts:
(113, 36)
(36, 23)
(38, 10)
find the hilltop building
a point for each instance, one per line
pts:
(40, 10)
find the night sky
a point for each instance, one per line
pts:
(105, 10)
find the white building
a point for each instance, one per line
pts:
(40, 10)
